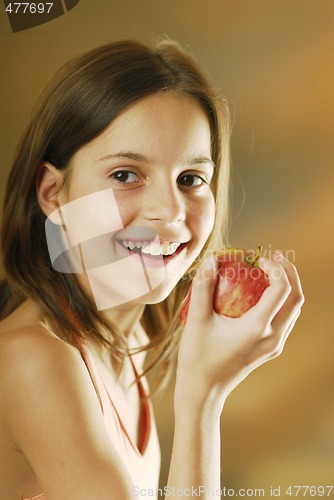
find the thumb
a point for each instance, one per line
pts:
(203, 289)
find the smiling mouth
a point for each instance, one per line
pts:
(152, 248)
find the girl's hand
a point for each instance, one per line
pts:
(217, 352)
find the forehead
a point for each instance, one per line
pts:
(163, 125)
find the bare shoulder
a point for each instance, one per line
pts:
(50, 412)
(32, 351)
(27, 346)
(40, 374)
(34, 361)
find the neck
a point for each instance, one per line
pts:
(126, 316)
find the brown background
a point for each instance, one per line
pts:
(274, 62)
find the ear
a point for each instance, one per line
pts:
(48, 187)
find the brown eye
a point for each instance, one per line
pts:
(191, 180)
(125, 176)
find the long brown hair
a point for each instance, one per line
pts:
(79, 103)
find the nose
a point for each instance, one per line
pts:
(166, 204)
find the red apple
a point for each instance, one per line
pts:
(240, 284)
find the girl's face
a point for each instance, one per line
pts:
(156, 158)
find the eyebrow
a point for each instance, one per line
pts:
(199, 160)
(129, 155)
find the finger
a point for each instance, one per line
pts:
(295, 299)
(290, 328)
(271, 346)
(203, 288)
(274, 296)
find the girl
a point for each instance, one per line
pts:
(118, 191)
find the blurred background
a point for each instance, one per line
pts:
(273, 60)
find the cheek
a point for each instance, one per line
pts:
(128, 211)
(203, 218)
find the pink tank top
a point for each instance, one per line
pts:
(143, 465)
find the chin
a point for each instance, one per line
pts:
(157, 295)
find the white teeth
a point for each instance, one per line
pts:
(153, 248)
(165, 248)
(173, 248)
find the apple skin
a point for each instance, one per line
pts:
(240, 284)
